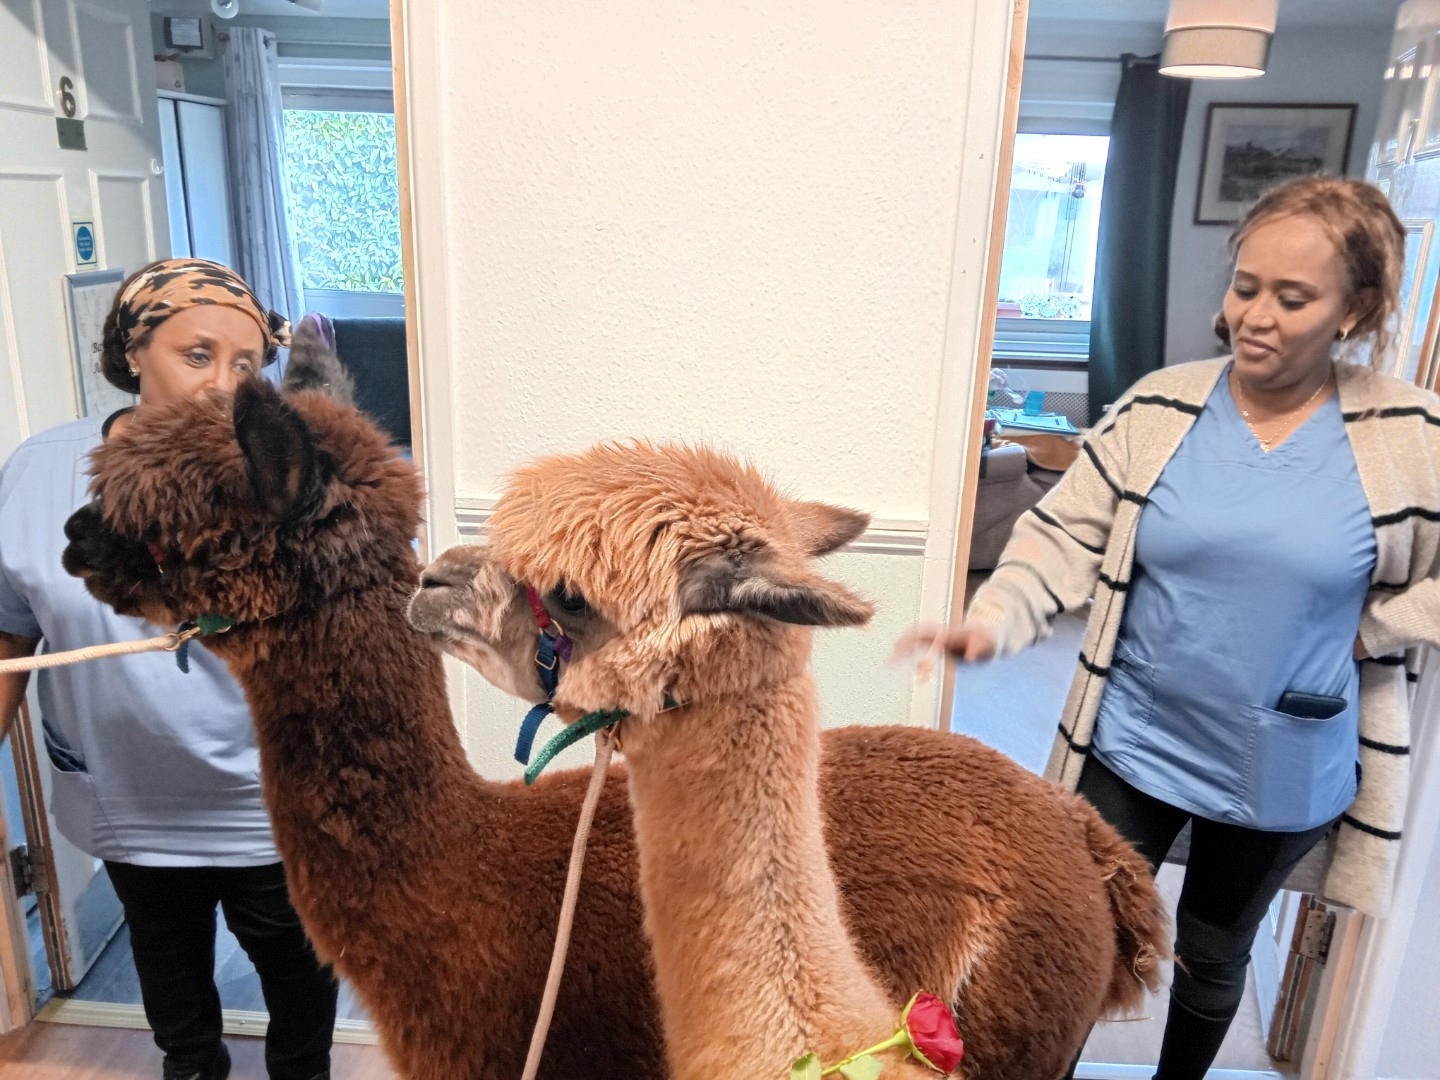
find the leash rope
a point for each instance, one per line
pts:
(177, 642)
(603, 747)
(170, 642)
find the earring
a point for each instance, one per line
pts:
(135, 371)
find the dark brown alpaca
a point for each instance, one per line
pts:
(434, 891)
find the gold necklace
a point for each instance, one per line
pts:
(1266, 444)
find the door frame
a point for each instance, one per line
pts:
(1356, 1006)
(1362, 974)
(17, 994)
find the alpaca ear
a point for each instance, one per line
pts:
(717, 584)
(314, 364)
(822, 528)
(285, 465)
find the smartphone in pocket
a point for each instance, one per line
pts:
(1310, 706)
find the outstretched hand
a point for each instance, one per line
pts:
(966, 642)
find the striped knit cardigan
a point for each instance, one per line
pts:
(1079, 543)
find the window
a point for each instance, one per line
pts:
(1047, 271)
(345, 209)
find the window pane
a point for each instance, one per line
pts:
(1048, 267)
(344, 199)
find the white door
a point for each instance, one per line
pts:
(92, 59)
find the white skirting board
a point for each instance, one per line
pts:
(237, 1021)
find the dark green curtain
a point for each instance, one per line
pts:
(1132, 258)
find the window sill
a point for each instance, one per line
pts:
(1010, 358)
(346, 304)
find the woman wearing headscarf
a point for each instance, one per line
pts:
(153, 770)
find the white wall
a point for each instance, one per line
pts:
(759, 223)
(734, 227)
(1341, 65)
(1411, 1048)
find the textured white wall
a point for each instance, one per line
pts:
(760, 223)
(729, 222)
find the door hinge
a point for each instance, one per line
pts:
(28, 870)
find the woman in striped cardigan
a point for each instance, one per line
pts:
(1260, 535)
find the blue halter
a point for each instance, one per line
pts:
(550, 649)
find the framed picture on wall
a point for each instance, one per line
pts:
(1247, 148)
(87, 301)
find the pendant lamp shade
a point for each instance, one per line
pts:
(1218, 39)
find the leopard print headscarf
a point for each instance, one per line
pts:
(173, 285)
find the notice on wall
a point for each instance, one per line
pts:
(87, 301)
(82, 236)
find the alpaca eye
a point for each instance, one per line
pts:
(572, 603)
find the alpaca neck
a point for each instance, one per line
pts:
(357, 746)
(753, 962)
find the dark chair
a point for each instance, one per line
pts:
(373, 351)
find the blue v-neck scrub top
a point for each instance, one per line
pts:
(148, 765)
(1250, 573)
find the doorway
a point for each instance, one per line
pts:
(153, 180)
(1038, 357)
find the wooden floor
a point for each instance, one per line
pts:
(65, 1052)
(50, 1051)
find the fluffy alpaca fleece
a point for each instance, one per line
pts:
(678, 551)
(434, 891)
(680, 573)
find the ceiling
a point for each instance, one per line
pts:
(1296, 13)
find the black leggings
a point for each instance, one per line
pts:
(171, 915)
(1231, 876)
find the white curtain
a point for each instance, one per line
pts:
(265, 247)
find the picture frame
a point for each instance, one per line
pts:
(1249, 147)
(88, 298)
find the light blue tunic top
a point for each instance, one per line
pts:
(147, 765)
(1250, 573)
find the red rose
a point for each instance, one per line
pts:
(932, 1031)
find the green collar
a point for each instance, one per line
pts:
(204, 625)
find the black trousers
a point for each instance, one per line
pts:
(1231, 876)
(171, 915)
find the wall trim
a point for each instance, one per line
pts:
(885, 536)
(236, 1021)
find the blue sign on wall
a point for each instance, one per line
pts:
(84, 234)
